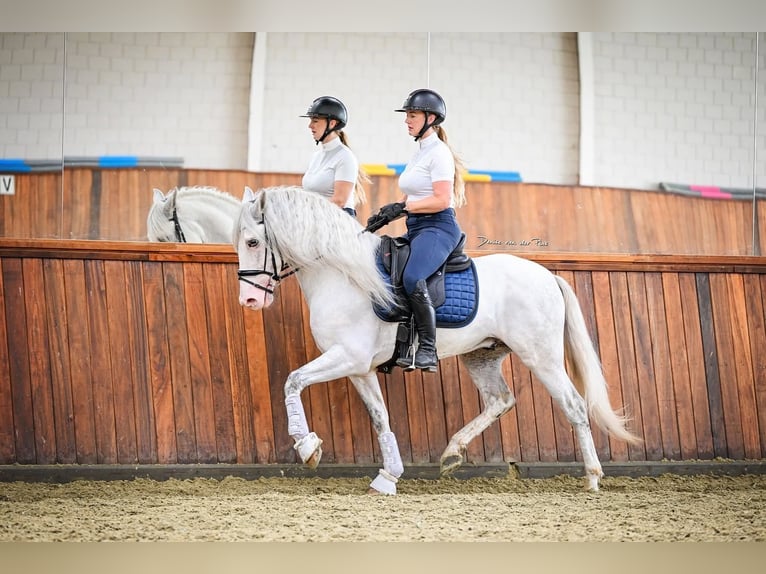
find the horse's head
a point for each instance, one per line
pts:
(259, 263)
(166, 224)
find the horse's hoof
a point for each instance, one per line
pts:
(450, 464)
(373, 492)
(592, 481)
(309, 449)
(313, 461)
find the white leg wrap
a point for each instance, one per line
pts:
(392, 460)
(307, 446)
(297, 427)
(384, 483)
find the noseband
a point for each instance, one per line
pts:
(274, 276)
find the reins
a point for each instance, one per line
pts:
(276, 277)
(179, 232)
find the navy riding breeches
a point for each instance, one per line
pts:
(432, 238)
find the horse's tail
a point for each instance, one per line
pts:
(586, 371)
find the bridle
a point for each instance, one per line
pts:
(274, 275)
(179, 232)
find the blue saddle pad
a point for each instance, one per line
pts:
(461, 291)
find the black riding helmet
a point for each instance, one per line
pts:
(331, 109)
(427, 101)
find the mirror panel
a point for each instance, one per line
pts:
(31, 129)
(625, 142)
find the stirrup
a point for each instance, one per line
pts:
(407, 362)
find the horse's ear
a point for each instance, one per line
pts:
(171, 198)
(248, 195)
(159, 197)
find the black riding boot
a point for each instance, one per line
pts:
(425, 323)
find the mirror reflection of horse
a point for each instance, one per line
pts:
(523, 308)
(192, 215)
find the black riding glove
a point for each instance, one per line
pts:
(393, 211)
(385, 215)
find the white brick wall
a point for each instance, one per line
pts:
(159, 95)
(31, 95)
(668, 107)
(675, 108)
(512, 99)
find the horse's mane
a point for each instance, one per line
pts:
(206, 191)
(309, 231)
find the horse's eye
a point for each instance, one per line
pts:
(252, 243)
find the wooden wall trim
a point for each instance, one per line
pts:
(221, 253)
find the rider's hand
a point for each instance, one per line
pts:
(393, 211)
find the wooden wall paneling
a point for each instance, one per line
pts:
(59, 350)
(394, 391)
(199, 351)
(316, 397)
(647, 383)
(80, 361)
(743, 362)
(626, 354)
(241, 396)
(39, 361)
(436, 426)
(450, 390)
(259, 383)
(158, 363)
(179, 361)
(36, 207)
(608, 354)
(7, 423)
(662, 365)
(695, 311)
(546, 434)
(278, 369)
(214, 276)
(120, 360)
(21, 389)
(17, 212)
(509, 424)
(525, 411)
(103, 393)
(80, 185)
(678, 358)
(342, 432)
(755, 288)
(136, 194)
(416, 409)
(722, 316)
(146, 437)
(364, 437)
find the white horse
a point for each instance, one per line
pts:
(523, 308)
(192, 215)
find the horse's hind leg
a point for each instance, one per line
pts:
(368, 388)
(485, 368)
(553, 376)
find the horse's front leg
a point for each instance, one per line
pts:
(333, 364)
(368, 388)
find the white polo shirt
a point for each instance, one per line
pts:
(432, 162)
(332, 162)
